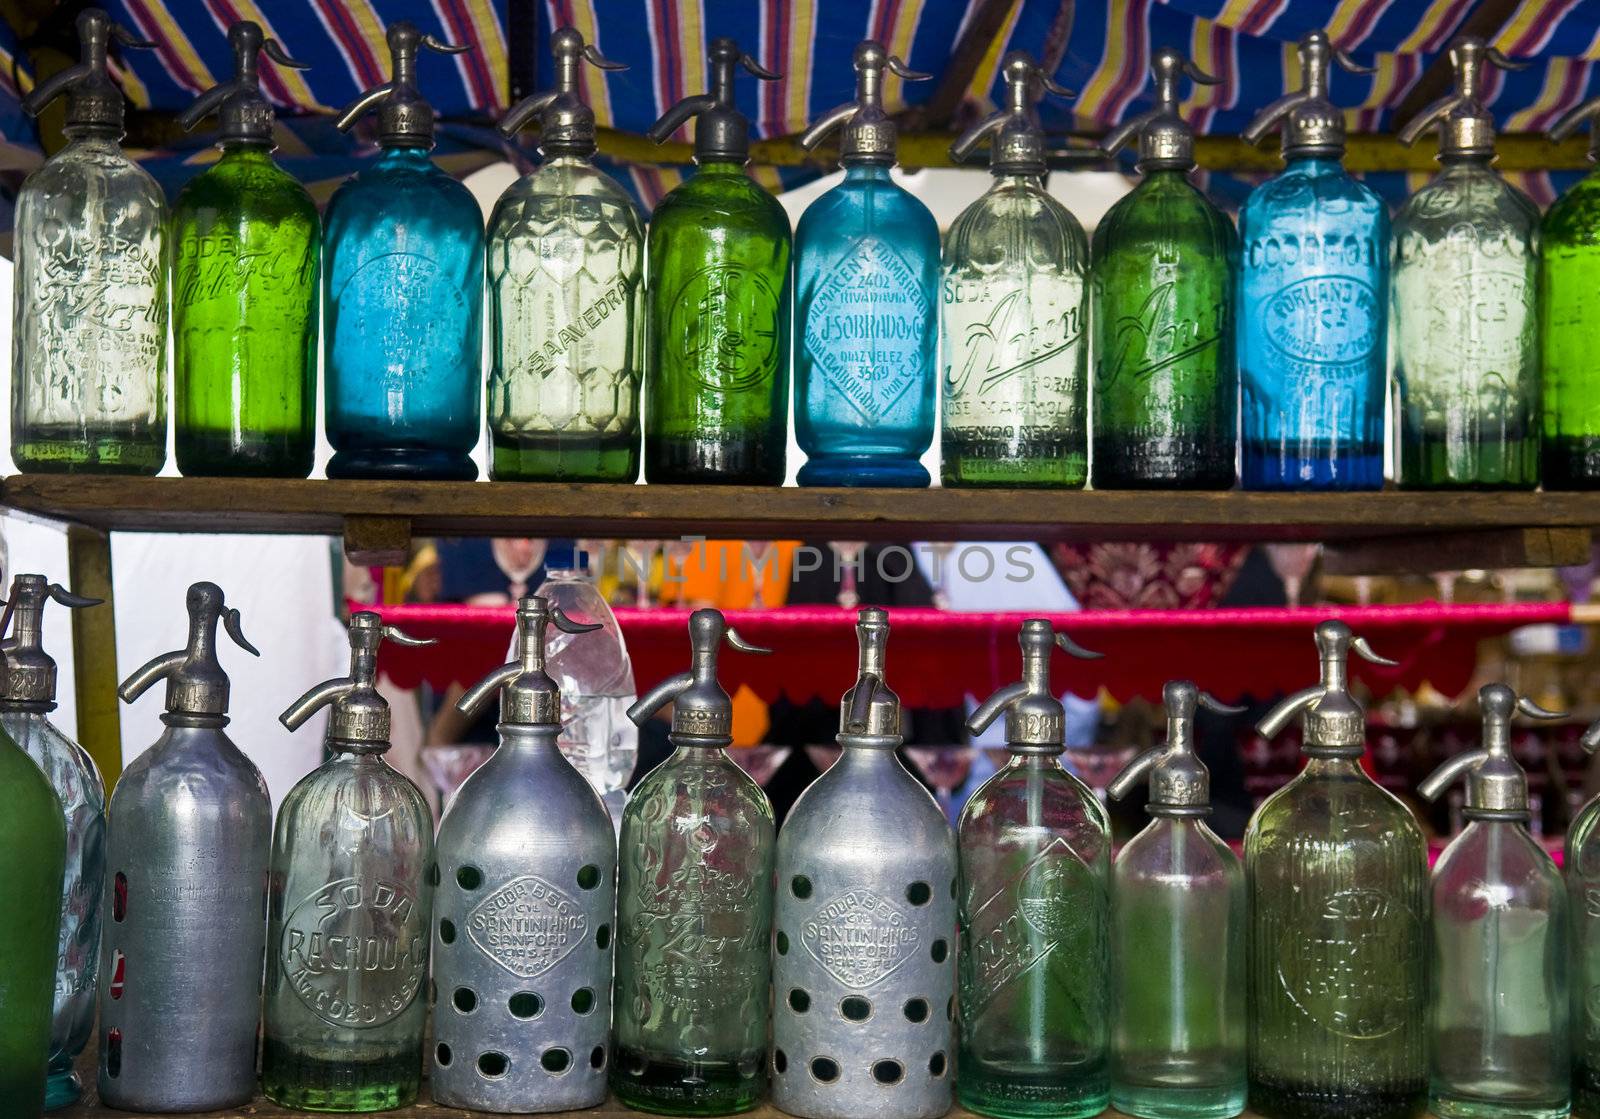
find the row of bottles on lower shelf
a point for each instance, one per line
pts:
(866, 962)
(1268, 344)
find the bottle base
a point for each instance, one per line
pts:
(716, 462)
(220, 455)
(78, 452)
(1571, 463)
(1263, 467)
(1274, 1099)
(863, 470)
(1031, 1096)
(1149, 1102)
(404, 463)
(669, 1087)
(1458, 1106)
(970, 472)
(61, 1089)
(295, 1081)
(564, 458)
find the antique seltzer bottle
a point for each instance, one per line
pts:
(1034, 896)
(1466, 278)
(188, 839)
(402, 283)
(352, 886)
(566, 292)
(1013, 311)
(1569, 330)
(694, 907)
(528, 871)
(1314, 259)
(89, 339)
(865, 924)
(1582, 866)
(866, 280)
(1498, 1011)
(27, 696)
(1177, 938)
(1338, 877)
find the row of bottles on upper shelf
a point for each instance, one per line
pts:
(856, 963)
(1268, 346)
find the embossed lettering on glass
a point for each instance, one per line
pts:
(694, 907)
(1498, 1039)
(403, 294)
(566, 280)
(866, 259)
(1338, 878)
(717, 386)
(1313, 345)
(89, 337)
(245, 242)
(1035, 859)
(349, 909)
(1013, 311)
(1569, 330)
(1466, 259)
(1165, 381)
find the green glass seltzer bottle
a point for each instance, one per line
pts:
(1034, 845)
(1166, 384)
(1338, 878)
(1569, 329)
(717, 274)
(694, 907)
(245, 244)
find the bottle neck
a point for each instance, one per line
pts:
(1466, 163)
(254, 151)
(1314, 165)
(866, 171)
(720, 167)
(405, 156)
(92, 134)
(1322, 765)
(1016, 180)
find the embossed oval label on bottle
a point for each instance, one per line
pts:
(527, 926)
(398, 310)
(355, 951)
(723, 328)
(1323, 320)
(860, 937)
(868, 326)
(1050, 902)
(1351, 966)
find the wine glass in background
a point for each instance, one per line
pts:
(675, 560)
(945, 767)
(823, 756)
(760, 762)
(641, 556)
(757, 553)
(1292, 563)
(517, 558)
(847, 554)
(941, 550)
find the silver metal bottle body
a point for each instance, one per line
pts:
(527, 861)
(188, 843)
(866, 934)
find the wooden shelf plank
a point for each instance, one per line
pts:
(561, 509)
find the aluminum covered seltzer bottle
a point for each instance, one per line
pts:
(694, 906)
(1581, 865)
(27, 696)
(522, 917)
(352, 890)
(864, 929)
(187, 845)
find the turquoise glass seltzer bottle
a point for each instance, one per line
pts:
(1177, 938)
(1498, 998)
(717, 276)
(402, 281)
(1313, 344)
(866, 263)
(1034, 900)
(1166, 385)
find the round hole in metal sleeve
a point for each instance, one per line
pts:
(525, 1004)
(602, 937)
(588, 876)
(919, 893)
(582, 1000)
(433, 874)
(493, 1065)
(799, 1000)
(783, 943)
(597, 1057)
(936, 1064)
(441, 1055)
(119, 899)
(447, 931)
(780, 1061)
(556, 1061)
(800, 886)
(113, 1053)
(469, 877)
(465, 1000)
(916, 1010)
(939, 951)
(888, 1072)
(855, 1008)
(825, 1069)
(119, 973)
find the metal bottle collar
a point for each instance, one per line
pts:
(869, 713)
(1166, 142)
(702, 710)
(1180, 784)
(196, 684)
(1036, 723)
(245, 113)
(1335, 724)
(1017, 147)
(1312, 125)
(1466, 127)
(359, 719)
(1497, 788)
(566, 124)
(528, 696)
(93, 99)
(405, 119)
(722, 134)
(28, 678)
(869, 134)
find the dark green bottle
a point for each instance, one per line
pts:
(717, 272)
(245, 240)
(1166, 384)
